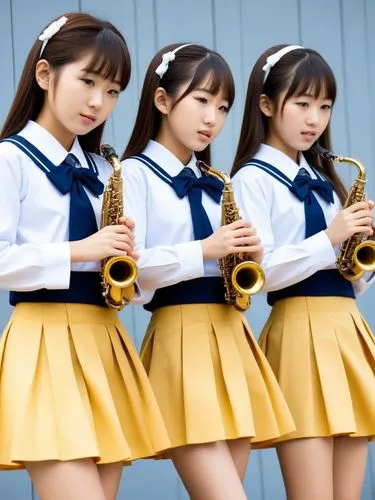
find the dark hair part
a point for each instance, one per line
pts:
(299, 72)
(81, 34)
(193, 63)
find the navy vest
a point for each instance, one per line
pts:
(85, 287)
(329, 282)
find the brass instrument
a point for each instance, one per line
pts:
(118, 273)
(356, 255)
(242, 277)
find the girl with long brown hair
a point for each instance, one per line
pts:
(75, 401)
(318, 344)
(214, 387)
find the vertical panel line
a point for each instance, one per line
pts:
(156, 31)
(12, 42)
(214, 31)
(242, 52)
(372, 469)
(344, 76)
(136, 27)
(299, 17)
(243, 81)
(262, 477)
(368, 73)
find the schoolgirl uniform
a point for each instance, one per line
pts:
(210, 378)
(71, 382)
(317, 342)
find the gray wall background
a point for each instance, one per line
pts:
(341, 30)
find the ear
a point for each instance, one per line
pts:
(43, 74)
(162, 101)
(266, 105)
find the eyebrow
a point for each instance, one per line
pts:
(199, 89)
(91, 72)
(203, 90)
(313, 96)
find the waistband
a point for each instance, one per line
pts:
(206, 290)
(326, 283)
(85, 288)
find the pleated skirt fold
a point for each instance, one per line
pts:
(210, 378)
(323, 355)
(72, 386)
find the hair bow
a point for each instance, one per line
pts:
(163, 66)
(50, 31)
(275, 58)
(167, 58)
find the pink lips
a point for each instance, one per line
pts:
(205, 135)
(88, 119)
(309, 135)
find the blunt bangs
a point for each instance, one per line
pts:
(110, 59)
(312, 76)
(219, 76)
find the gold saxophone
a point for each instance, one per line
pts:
(120, 272)
(356, 255)
(242, 277)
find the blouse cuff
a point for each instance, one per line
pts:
(191, 258)
(319, 246)
(57, 265)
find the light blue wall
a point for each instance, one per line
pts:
(342, 30)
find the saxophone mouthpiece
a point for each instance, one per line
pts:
(324, 153)
(107, 151)
(203, 166)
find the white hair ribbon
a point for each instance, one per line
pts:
(167, 58)
(275, 58)
(51, 30)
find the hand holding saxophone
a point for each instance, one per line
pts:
(256, 253)
(107, 242)
(129, 223)
(356, 218)
(236, 237)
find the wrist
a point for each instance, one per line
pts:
(75, 253)
(205, 249)
(331, 238)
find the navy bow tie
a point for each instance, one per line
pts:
(186, 183)
(303, 187)
(68, 178)
(67, 174)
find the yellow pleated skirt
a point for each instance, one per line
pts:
(323, 355)
(211, 380)
(72, 386)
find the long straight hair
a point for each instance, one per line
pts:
(298, 72)
(81, 34)
(193, 64)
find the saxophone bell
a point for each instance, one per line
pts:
(356, 255)
(119, 272)
(363, 261)
(364, 255)
(247, 279)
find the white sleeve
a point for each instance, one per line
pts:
(161, 265)
(363, 284)
(25, 267)
(288, 264)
